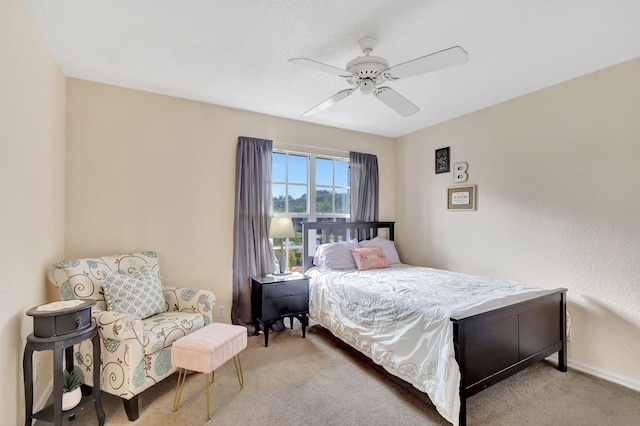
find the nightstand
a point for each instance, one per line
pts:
(276, 297)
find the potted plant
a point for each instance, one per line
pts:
(71, 392)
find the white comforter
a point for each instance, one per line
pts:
(399, 317)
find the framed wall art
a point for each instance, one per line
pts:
(442, 160)
(461, 197)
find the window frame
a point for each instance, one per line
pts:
(311, 214)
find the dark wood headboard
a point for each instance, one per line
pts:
(327, 232)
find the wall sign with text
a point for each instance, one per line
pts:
(461, 197)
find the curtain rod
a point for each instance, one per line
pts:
(312, 147)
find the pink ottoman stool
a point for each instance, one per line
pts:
(204, 351)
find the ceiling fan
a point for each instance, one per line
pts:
(368, 72)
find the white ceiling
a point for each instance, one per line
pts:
(235, 53)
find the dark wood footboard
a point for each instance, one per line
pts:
(492, 345)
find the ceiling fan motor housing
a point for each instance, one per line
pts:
(366, 70)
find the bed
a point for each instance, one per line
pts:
(449, 349)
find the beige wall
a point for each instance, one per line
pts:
(151, 172)
(558, 205)
(32, 103)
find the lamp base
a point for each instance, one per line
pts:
(281, 262)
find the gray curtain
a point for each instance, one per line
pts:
(252, 252)
(364, 187)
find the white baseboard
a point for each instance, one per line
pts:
(623, 381)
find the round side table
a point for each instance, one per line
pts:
(60, 342)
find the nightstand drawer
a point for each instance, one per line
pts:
(286, 289)
(277, 308)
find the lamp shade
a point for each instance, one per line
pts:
(281, 227)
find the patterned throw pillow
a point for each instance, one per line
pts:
(150, 276)
(369, 258)
(129, 295)
(146, 274)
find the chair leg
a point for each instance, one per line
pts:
(131, 408)
(238, 364)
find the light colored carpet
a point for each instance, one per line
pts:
(321, 381)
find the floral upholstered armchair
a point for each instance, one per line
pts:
(137, 319)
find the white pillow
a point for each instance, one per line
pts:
(388, 247)
(335, 256)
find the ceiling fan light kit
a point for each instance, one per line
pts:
(368, 72)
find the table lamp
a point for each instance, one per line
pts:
(281, 227)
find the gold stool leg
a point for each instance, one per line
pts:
(182, 376)
(208, 385)
(238, 364)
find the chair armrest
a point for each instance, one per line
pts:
(116, 326)
(190, 300)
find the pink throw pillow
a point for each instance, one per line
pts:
(369, 258)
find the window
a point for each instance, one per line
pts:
(308, 187)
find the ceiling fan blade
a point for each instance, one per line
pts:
(328, 102)
(443, 59)
(395, 101)
(320, 66)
